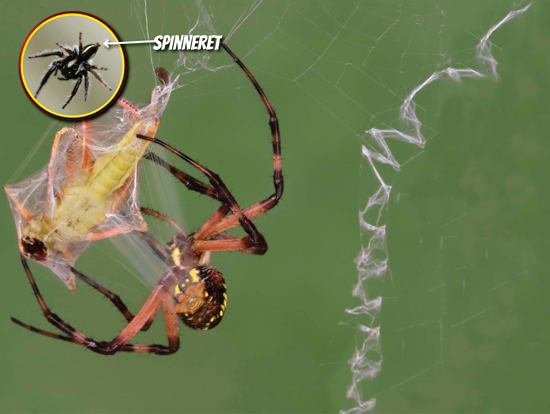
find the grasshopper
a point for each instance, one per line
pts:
(87, 196)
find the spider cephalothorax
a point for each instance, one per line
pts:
(180, 250)
(74, 65)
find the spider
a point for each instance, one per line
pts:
(189, 287)
(75, 65)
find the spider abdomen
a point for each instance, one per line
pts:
(201, 298)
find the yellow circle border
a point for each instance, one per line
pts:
(122, 53)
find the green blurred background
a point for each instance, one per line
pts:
(465, 315)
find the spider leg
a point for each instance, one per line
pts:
(163, 253)
(241, 244)
(69, 51)
(52, 318)
(93, 72)
(270, 202)
(221, 242)
(86, 85)
(80, 44)
(45, 78)
(207, 227)
(225, 223)
(96, 67)
(155, 349)
(40, 331)
(113, 297)
(190, 182)
(254, 243)
(251, 212)
(166, 219)
(207, 241)
(172, 331)
(58, 53)
(219, 223)
(73, 93)
(159, 296)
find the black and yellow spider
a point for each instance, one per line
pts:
(75, 65)
(189, 287)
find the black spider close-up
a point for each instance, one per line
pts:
(75, 65)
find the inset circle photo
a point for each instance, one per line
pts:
(66, 69)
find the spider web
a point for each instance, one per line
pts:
(373, 259)
(378, 73)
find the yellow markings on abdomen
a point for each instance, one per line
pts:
(224, 301)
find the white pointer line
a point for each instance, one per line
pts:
(180, 42)
(107, 43)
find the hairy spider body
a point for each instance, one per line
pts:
(75, 65)
(189, 288)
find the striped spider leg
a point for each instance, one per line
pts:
(189, 287)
